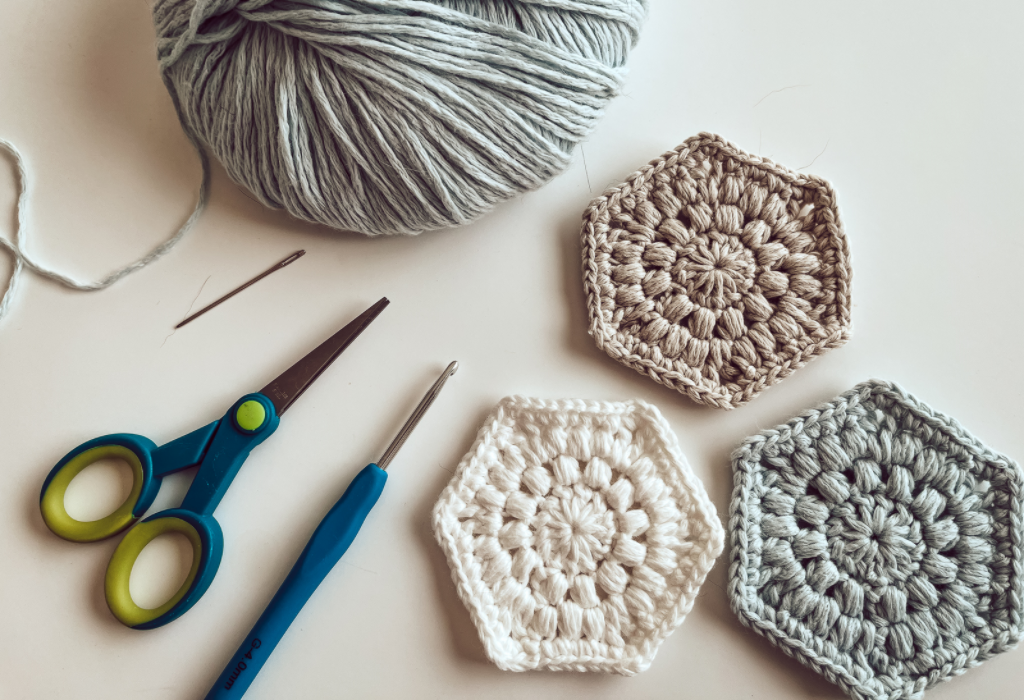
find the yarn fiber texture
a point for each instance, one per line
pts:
(392, 116)
(878, 542)
(716, 272)
(17, 246)
(576, 534)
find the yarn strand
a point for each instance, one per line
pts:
(16, 245)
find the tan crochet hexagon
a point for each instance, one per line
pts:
(576, 534)
(716, 272)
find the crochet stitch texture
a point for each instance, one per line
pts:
(576, 534)
(878, 542)
(716, 272)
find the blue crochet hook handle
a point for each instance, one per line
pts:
(329, 542)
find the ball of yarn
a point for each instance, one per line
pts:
(392, 116)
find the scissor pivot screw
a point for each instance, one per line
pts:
(251, 415)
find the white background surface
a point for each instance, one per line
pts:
(911, 109)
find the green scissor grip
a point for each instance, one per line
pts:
(52, 502)
(119, 571)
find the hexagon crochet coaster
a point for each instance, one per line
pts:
(716, 272)
(878, 542)
(576, 534)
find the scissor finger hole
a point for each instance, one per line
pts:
(120, 571)
(99, 489)
(160, 570)
(54, 508)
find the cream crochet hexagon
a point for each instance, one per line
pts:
(576, 534)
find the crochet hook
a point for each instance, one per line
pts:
(274, 268)
(329, 542)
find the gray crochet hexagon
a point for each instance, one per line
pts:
(878, 542)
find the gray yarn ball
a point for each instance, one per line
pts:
(392, 116)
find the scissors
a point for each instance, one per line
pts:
(219, 449)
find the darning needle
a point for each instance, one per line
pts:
(284, 263)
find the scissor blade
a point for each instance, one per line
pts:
(283, 391)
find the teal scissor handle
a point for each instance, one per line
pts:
(219, 449)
